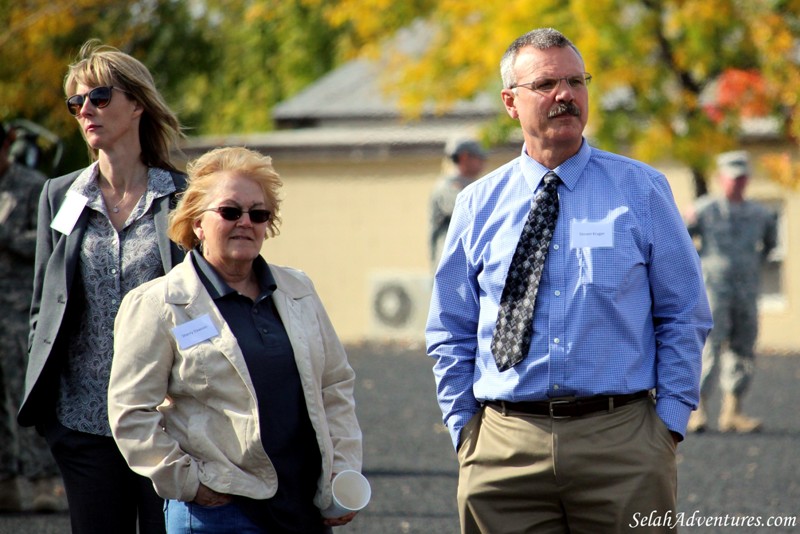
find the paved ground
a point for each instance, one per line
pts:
(412, 468)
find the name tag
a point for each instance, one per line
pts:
(598, 234)
(68, 214)
(195, 331)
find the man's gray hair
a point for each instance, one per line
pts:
(540, 39)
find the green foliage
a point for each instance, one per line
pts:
(221, 64)
(41, 37)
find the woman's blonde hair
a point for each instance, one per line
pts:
(102, 65)
(202, 180)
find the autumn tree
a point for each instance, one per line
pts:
(677, 78)
(262, 53)
(671, 78)
(41, 37)
(221, 64)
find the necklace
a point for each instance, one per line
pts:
(116, 206)
(115, 209)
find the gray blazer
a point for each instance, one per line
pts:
(54, 306)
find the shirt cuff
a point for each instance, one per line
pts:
(674, 413)
(455, 423)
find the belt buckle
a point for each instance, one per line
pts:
(554, 403)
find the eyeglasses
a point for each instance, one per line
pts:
(232, 213)
(100, 97)
(546, 86)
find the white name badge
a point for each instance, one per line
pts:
(68, 214)
(598, 234)
(195, 331)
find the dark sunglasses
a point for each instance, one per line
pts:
(100, 97)
(232, 213)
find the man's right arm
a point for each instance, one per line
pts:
(451, 332)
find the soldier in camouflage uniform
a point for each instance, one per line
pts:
(735, 237)
(469, 158)
(25, 459)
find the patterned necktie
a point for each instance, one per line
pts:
(512, 334)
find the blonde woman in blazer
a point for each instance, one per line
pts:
(230, 389)
(100, 232)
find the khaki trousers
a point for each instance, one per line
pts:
(600, 473)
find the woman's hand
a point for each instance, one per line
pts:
(208, 497)
(339, 521)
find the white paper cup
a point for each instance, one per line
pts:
(351, 493)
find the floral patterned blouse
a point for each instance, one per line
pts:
(111, 264)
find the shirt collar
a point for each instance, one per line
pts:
(159, 184)
(569, 171)
(218, 288)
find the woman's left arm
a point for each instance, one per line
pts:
(338, 381)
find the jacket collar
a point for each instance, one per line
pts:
(184, 287)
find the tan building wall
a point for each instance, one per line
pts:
(359, 228)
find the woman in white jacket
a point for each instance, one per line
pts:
(229, 388)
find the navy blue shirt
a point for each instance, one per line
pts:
(286, 432)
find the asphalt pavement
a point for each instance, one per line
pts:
(723, 479)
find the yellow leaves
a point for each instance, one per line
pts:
(659, 140)
(658, 54)
(772, 34)
(31, 64)
(661, 54)
(259, 11)
(782, 168)
(691, 25)
(697, 149)
(654, 142)
(365, 16)
(462, 57)
(34, 22)
(440, 63)
(776, 39)
(700, 17)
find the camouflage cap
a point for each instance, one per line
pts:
(470, 146)
(735, 164)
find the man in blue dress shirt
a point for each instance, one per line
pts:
(579, 436)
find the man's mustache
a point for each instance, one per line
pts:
(568, 108)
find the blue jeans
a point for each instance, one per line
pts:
(190, 518)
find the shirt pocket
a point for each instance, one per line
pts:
(610, 269)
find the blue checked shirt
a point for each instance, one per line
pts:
(621, 306)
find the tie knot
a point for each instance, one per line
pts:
(551, 178)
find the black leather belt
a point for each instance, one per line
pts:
(563, 408)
